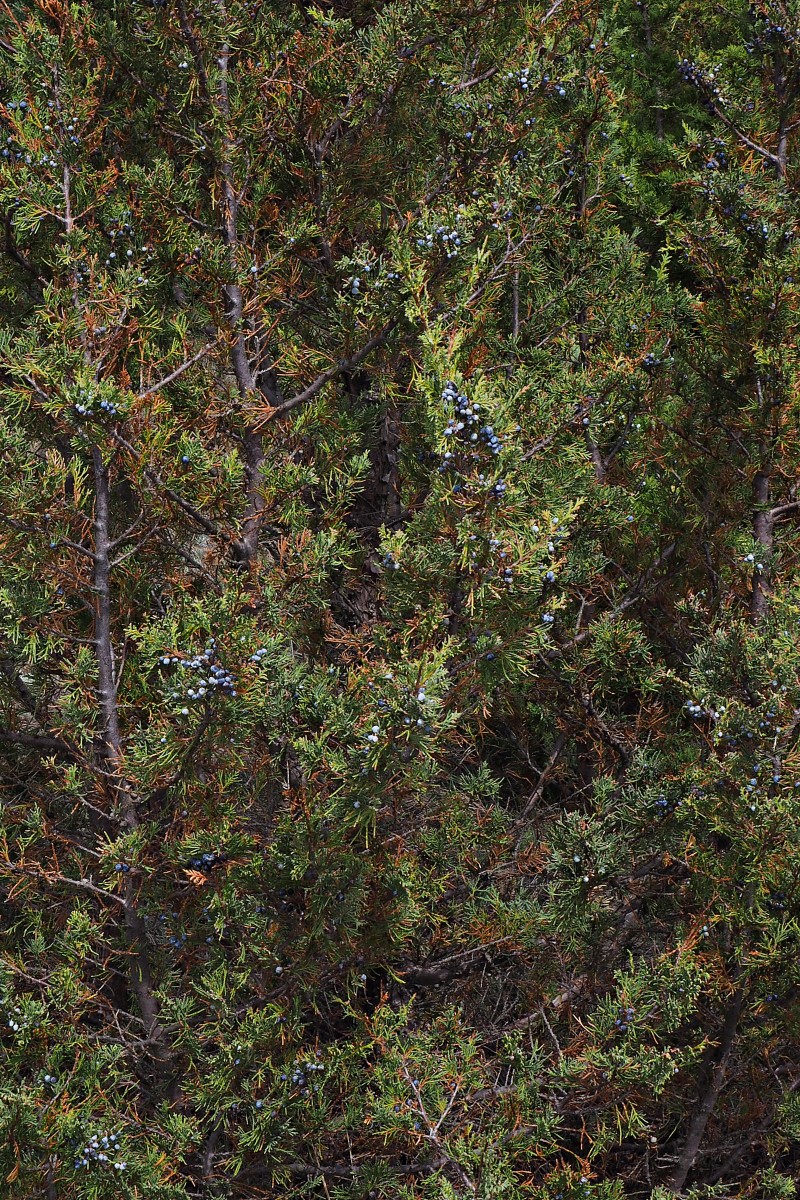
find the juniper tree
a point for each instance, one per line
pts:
(399, 643)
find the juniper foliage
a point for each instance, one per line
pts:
(399, 664)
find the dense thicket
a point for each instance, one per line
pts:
(399, 609)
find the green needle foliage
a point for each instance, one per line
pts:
(399, 608)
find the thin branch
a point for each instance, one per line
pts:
(468, 83)
(176, 374)
(433, 1136)
(339, 368)
(767, 154)
(536, 794)
(633, 597)
(784, 510)
(53, 877)
(203, 521)
(708, 1102)
(41, 742)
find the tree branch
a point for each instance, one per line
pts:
(176, 374)
(708, 1102)
(339, 368)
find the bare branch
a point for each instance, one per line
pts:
(53, 877)
(176, 374)
(36, 741)
(339, 368)
(536, 794)
(468, 83)
(784, 510)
